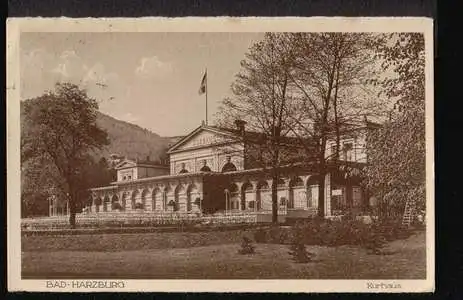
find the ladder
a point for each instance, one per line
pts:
(408, 213)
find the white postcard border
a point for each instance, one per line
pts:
(199, 24)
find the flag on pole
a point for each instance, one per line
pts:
(203, 87)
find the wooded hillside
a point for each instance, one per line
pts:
(132, 141)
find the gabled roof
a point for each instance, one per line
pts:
(129, 163)
(213, 129)
(250, 136)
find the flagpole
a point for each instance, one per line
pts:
(206, 95)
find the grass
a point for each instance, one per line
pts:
(210, 256)
(130, 241)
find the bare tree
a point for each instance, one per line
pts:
(263, 98)
(309, 87)
(329, 69)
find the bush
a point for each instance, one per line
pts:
(374, 242)
(335, 233)
(246, 246)
(260, 235)
(297, 248)
(299, 253)
(273, 235)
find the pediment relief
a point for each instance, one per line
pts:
(205, 138)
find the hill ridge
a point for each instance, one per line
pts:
(131, 140)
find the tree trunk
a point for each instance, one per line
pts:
(72, 209)
(321, 195)
(321, 179)
(72, 216)
(275, 197)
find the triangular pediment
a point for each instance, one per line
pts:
(203, 137)
(125, 164)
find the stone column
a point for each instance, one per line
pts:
(55, 208)
(239, 185)
(227, 200)
(101, 208)
(328, 195)
(287, 193)
(128, 201)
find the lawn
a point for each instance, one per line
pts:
(210, 256)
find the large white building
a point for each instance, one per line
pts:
(213, 169)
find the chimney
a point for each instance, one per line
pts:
(240, 125)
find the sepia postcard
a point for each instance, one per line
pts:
(220, 155)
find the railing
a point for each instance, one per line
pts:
(136, 219)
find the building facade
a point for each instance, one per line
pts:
(210, 170)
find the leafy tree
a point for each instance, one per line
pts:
(59, 127)
(397, 151)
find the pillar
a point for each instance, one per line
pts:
(227, 200)
(239, 185)
(287, 193)
(93, 205)
(55, 208)
(328, 194)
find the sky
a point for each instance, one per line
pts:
(149, 79)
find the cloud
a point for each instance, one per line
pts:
(128, 117)
(71, 67)
(40, 70)
(61, 70)
(68, 66)
(153, 67)
(35, 72)
(98, 74)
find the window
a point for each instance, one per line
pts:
(347, 151)
(205, 169)
(333, 151)
(124, 178)
(228, 167)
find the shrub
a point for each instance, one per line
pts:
(335, 233)
(374, 242)
(297, 248)
(246, 246)
(391, 230)
(260, 235)
(272, 235)
(299, 253)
